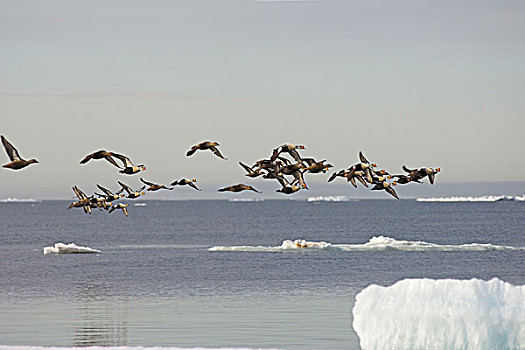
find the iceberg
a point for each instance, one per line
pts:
(328, 199)
(71, 248)
(441, 314)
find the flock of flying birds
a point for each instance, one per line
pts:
(285, 165)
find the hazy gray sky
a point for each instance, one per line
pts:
(421, 83)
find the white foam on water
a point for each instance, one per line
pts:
(376, 243)
(441, 314)
(328, 199)
(19, 200)
(10, 347)
(71, 248)
(474, 199)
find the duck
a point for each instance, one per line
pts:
(421, 173)
(188, 182)
(110, 196)
(290, 188)
(205, 145)
(154, 187)
(129, 168)
(132, 194)
(101, 154)
(83, 200)
(122, 206)
(315, 167)
(238, 188)
(16, 162)
(387, 187)
(99, 202)
(404, 179)
(290, 149)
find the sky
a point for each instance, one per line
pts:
(421, 83)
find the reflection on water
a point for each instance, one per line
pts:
(101, 319)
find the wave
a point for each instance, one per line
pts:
(379, 243)
(441, 314)
(328, 199)
(71, 248)
(473, 199)
(246, 200)
(19, 200)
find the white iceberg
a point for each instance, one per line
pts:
(71, 248)
(441, 314)
(328, 199)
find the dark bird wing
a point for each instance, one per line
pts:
(224, 189)
(191, 184)
(296, 156)
(407, 170)
(105, 190)
(146, 182)
(11, 151)
(192, 150)
(392, 192)
(332, 177)
(253, 189)
(310, 161)
(276, 153)
(431, 178)
(361, 180)
(126, 187)
(125, 160)
(352, 181)
(87, 158)
(247, 168)
(112, 208)
(215, 151)
(362, 158)
(112, 161)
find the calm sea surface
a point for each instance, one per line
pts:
(157, 284)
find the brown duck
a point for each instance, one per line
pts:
(183, 182)
(212, 146)
(129, 168)
(154, 187)
(16, 162)
(238, 188)
(102, 154)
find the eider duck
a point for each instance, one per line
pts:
(387, 187)
(122, 206)
(110, 196)
(290, 149)
(238, 188)
(132, 194)
(102, 154)
(183, 182)
(16, 162)
(129, 168)
(212, 146)
(155, 187)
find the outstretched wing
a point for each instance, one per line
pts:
(247, 168)
(105, 190)
(215, 151)
(146, 182)
(193, 185)
(126, 187)
(112, 161)
(296, 156)
(431, 178)
(11, 151)
(125, 160)
(392, 192)
(192, 150)
(362, 158)
(407, 170)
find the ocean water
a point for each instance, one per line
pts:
(225, 274)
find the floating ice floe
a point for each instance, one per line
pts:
(19, 200)
(376, 243)
(328, 199)
(441, 314)
(473, 199)
(71, 248)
